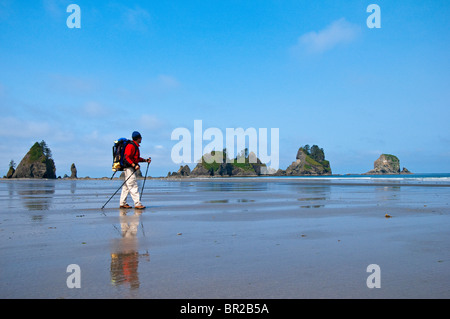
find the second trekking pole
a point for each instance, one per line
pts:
(145, 178)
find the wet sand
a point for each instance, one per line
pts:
(232, 238)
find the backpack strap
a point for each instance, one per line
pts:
(136, 148)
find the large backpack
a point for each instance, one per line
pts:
(119, 154)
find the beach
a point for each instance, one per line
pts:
(226, 238)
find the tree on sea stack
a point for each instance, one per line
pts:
(37, 163)
(309, 161)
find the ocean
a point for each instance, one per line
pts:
(423, 178)
(260, 237)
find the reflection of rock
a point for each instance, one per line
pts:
(73, 187)
(312, 197)
(37, 163)
(387, 164)
(37, 196)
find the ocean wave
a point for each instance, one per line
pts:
(422, 179)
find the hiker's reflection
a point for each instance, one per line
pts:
(124, 254)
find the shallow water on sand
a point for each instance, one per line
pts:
(230, 238)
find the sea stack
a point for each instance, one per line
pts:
(10, 173)
(387, 164)
(73, 171)
(217, 163)
(309, 161)
(37, 163)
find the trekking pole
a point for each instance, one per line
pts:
(142, 191)
(118, 189)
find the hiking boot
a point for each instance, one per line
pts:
(139, 207)
(126, 206)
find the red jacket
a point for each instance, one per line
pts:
(132, 154)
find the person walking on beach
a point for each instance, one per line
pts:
(132, 158)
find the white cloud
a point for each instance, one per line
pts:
(155, 86)
(338, 32)
(72, 84)
(161, 84)
(94, 109)
(136, 18)
(150, 122)
(17, 128)
(55, 8)
(168, 82)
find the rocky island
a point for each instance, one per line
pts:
(245, 164)
(387, 164)
(309, 161)
(37, 163)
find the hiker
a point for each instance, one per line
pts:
(131, 164)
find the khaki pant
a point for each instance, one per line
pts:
(130, 187)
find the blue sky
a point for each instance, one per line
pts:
(313, 69)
